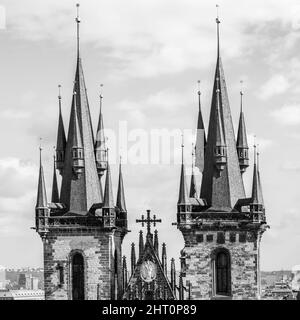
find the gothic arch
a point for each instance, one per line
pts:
(77, 275)
(221, 272)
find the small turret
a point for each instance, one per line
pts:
(200, 137)
(164, 258)
(124, 271)
(181, 287)
(133, 257)
(155, 241)
(61, 138)
(257, 202)
(193, 188)
(183, 203)
(242, 144)
(141, 244)
(173, 276)
(41, 207)
(121, 204)
(220, 146)
(109, 212)
(55, 193)
(100, 148)
(77, 145)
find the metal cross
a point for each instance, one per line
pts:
(148, 221)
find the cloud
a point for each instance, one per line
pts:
(287, 115)
(147, 38)
(291, 166)
(17, 177)
(278, 84)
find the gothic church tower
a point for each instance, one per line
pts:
(222, 228)
(82, 229)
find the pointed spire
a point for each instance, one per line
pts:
(124, 269)
(61, 137)
(259, 181)
(242, 144)
(193, 189)
(257, 197)
(133, 257)
(181, 287)
(200, 137)
(221, 188)
(55, 193)
(173, 275)
(141, 244)
(100, 148)
(80, 192)
(121, 194)
(183, 198)
(156, 241)
(108, 192)
(41, 201)
(164, 258)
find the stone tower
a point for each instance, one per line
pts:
(82, 230)
(222, 228)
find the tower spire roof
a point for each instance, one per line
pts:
(108, 192)
(257, 197)
(121, 194)
(258, 176)
(221, 190)
(61, 136)
(100, 138)
(200, 137)
(193, 189)
(242, 134)
(81, 193)
(183, 192)
(41, 201)
(55, 193)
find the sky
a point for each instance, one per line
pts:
(149, 55)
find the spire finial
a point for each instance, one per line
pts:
(254, 146)
(199, 94)
(77, 19)
(101, 97)
(241, 93)
(218, 29)
(40, 150)
(182, 147)
(199, 91)
(59, 92)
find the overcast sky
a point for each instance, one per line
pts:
(149, 55)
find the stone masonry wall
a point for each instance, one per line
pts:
(243, 248)
(96, 249)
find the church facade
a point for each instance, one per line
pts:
(82, 227)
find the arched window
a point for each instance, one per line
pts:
(221, 272)
(77, 276)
